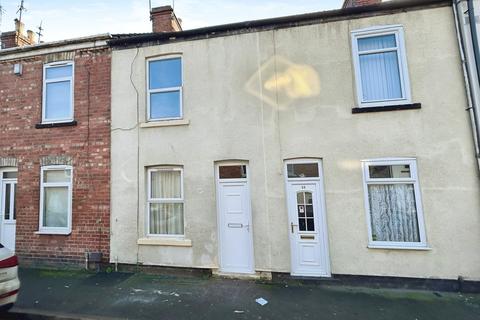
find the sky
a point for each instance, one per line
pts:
(64, 19)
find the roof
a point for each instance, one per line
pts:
(382, 8)
(46, 45)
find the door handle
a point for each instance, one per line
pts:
(247, 226)
(293, 225)
(235, 225)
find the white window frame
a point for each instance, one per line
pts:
(46, 81)
(169, 89)
(151, 200)
(418, 200)
(398, 31)
(55, 230)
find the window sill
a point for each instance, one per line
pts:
(409, 106)
(55, 124)
(373, 246)
(54, 233)
(164, 242)
(165, 123)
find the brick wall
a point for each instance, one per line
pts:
(87, 144)
(8, 39)
(164, 20)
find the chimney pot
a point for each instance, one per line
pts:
(17, 38)
(31, 36)
(19, 26)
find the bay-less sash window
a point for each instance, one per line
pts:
(165, 88)
(392, 200)
(56, 200)
(380, 66)
(57, 92)
(165, 202)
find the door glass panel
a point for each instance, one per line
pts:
(305, 211)
(302, 170)
(301, 211)
(300, 196)
(7, 201)
(309, 210)
(232, 172)
(14, 201)
(310, 225)
(308, 198)
(301, 225)
(10, 175)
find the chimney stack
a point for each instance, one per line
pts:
(164, 20)
(359, 3)
(17, 38)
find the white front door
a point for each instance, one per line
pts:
(8, 213)
(234, 219)
(307, 223)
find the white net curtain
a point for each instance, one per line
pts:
(393, 212)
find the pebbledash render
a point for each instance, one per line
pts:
(332, 143)
(55, 149)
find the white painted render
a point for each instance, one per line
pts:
(238, 105)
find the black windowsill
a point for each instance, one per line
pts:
(409, 106)
(55, 124)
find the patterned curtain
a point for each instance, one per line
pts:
(393, 213)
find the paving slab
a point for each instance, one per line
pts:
(84, 295)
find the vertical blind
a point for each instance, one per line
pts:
(379, 68)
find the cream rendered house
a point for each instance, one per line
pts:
(325, 144)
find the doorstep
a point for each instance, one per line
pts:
(258, 275)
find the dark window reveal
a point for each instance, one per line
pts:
(233, 172)
(302, 170)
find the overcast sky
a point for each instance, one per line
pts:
(63, 19)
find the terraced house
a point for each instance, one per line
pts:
(327, 144)
(340, 144)
(54, 148)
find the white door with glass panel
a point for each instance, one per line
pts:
(234, 219)
(307, 222)
(8, 209)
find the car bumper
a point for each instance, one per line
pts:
(9, 291)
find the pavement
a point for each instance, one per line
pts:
(47, 294)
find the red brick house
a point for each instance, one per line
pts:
(55, 145)
(55, 148)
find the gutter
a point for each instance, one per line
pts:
(383, 8)
(471, 73)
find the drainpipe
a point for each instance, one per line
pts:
(471, 73)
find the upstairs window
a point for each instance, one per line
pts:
(380, 66)
(165, 89)
(57, 92)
